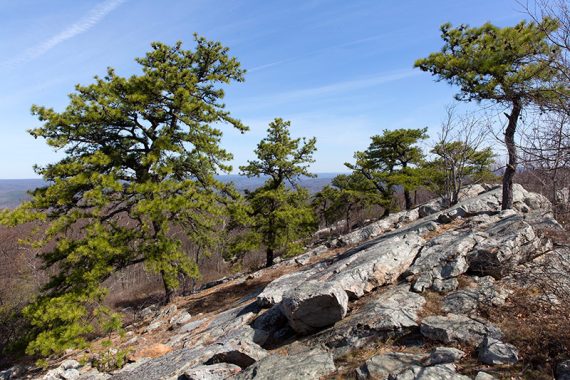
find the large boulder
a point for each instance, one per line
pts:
(273, 292)
(455, 328)
(314, 305)
(304, 365)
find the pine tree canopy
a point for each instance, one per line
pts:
(138, 176)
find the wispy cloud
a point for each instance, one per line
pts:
(328, 89)
(92, 18)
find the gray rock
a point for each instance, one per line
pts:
(445, 286)
(563, 370)
(392, 313)
(455, 328)
(274, 323)
(273, 292)
(191, 326)
(442, 258)
(377, 263)
(153, 326)
(218, 371)
(451, 215)
(493, 351)
(444, 355)
(438, 372)
(67, 370)
(180, 319)
(13, 373)
(485, 292)
(314, 305)
(509, 242)
(238, 351)
(93, 374)
(304, 365)
(167, 367)
(382, 366)
(484, 376)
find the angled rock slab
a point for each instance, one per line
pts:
(168, 367)
(305, 365)
(218, 371)
(314, 305)
(438, 372)
(273, 292)
(381, 367)
(493, 351)
(509, 242)
(455, 328)
(392, 313)
(443, 257)
(378, 263)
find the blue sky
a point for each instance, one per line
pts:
(339, 70)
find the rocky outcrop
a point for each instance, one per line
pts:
(379, 290)
(391, 314)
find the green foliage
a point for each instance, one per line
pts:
(281, 217)
(111, 360)
(392, 159)
(347, 195)
(511, 66)
(457, 163)
(140, 159)
(492, 63)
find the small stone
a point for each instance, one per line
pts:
(563, 370)
(153, 326)
(444, 355)
(493, 351)
(484, 376)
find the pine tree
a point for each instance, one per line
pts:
(140, 158)
(509, 66)
(281, 215)
(393, 159)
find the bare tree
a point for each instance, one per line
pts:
(460, 154)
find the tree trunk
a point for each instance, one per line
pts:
(168, 291)
(269, 261)
(511, 168)
(408, 199)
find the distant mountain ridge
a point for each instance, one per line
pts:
(15, 191)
